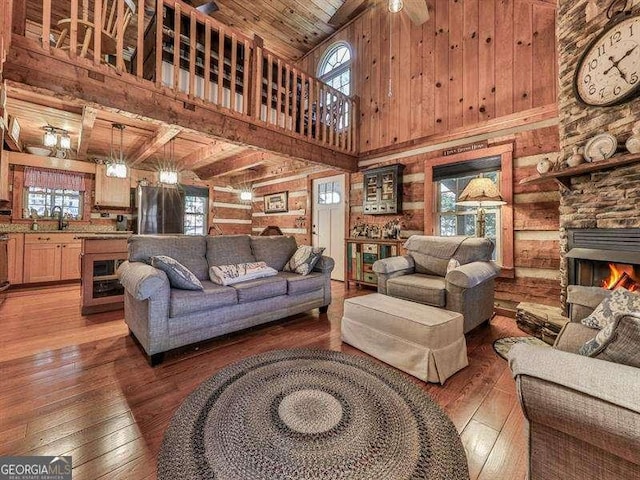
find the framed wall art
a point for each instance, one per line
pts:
(276, 202)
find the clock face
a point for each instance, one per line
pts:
(609, 71)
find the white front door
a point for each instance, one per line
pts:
(328, 217)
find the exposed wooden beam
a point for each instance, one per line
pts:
(89, 115)
(200, 156)
(417, 11)
(163, 136)
(28, 67)
(235, 163)
(270, 172)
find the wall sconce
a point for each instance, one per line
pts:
(50, 138)
(246, 196)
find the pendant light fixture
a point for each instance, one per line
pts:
(395, 6)
(168, 174)
(116, 165)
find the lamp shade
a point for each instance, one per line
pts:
(481, 192)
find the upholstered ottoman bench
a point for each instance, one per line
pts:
(426, 342)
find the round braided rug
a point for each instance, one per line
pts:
(310, 414)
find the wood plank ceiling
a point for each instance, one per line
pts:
(289, 27)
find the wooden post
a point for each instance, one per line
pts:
(310, 133)
(221, 36)
(295, 100)
(258, 73)
(120, 37)
(279, 97)
(19, 17)
(207, 60)
(73, 30)
(192, 53)
(234, 72)
(287, 96)
(269, 87)
(177, 17)
(303, 107)
(46, 24)
(159, 46)
(245, 78)
(139, 40)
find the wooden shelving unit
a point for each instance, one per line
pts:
(563, 177)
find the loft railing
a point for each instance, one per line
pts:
(177, 48)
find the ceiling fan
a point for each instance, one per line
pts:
(417, 10)
(206, 7)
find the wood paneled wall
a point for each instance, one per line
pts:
(473, 61)
(229, 214)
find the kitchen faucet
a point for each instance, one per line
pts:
(61, 223)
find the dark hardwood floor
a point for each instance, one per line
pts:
(80, 386)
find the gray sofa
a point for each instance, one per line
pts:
(583, 413)
(163, 318)
(425, 275)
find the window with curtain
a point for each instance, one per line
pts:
(196, 205)
(334, 69)
(452, 219)
(46, 189)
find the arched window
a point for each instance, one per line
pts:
(334, 69)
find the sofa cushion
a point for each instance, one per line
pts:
(189, 250)
(255, 290)
(179, 275)
(573, 336)
(618, 342)
(304, 259)
(229, 250)
(474, 249)
(232, 274)
(297, 284)
(274, 251)
(426, 289)
(620, 301)
(184, 302)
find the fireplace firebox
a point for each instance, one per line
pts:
(607, 258)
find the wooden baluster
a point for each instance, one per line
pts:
(355, 118)
(269, 87)
(257, 83)
(332, 116)
(311, 133)
(279, 97)
(304, 104)
(140, 40)
(234, 72)
(342, 123)
(245, 77)
(46, 24)
(73, 30)
(120, 37)
(349, 118)
(287, 96)
(159, 37)
(207, 60)
(192, 53)
(321, 111)
(221, 37)
(295, 99)
(177, 17)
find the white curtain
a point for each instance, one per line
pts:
(54, 179)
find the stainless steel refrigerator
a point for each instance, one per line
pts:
(160, 210)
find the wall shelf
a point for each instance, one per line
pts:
(563, 177)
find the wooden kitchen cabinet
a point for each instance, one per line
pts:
(16, 258)
(4, 176)
(70, 261)
(110, 191)
(51, 257)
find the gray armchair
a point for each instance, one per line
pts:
(455, 273)
(583, 413)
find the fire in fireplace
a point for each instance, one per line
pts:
(622, 276)
(604, 258)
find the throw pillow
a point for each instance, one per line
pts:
(179, 275)
(303, 261)
(452, 265)
(620, 301)
(232, 274)
(618, 342)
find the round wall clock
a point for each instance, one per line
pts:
(608, 72)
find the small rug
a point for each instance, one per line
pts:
(310, 414)
(502, 346)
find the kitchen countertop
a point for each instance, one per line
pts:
(104, 236)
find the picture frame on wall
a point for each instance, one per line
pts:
(276, 202)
